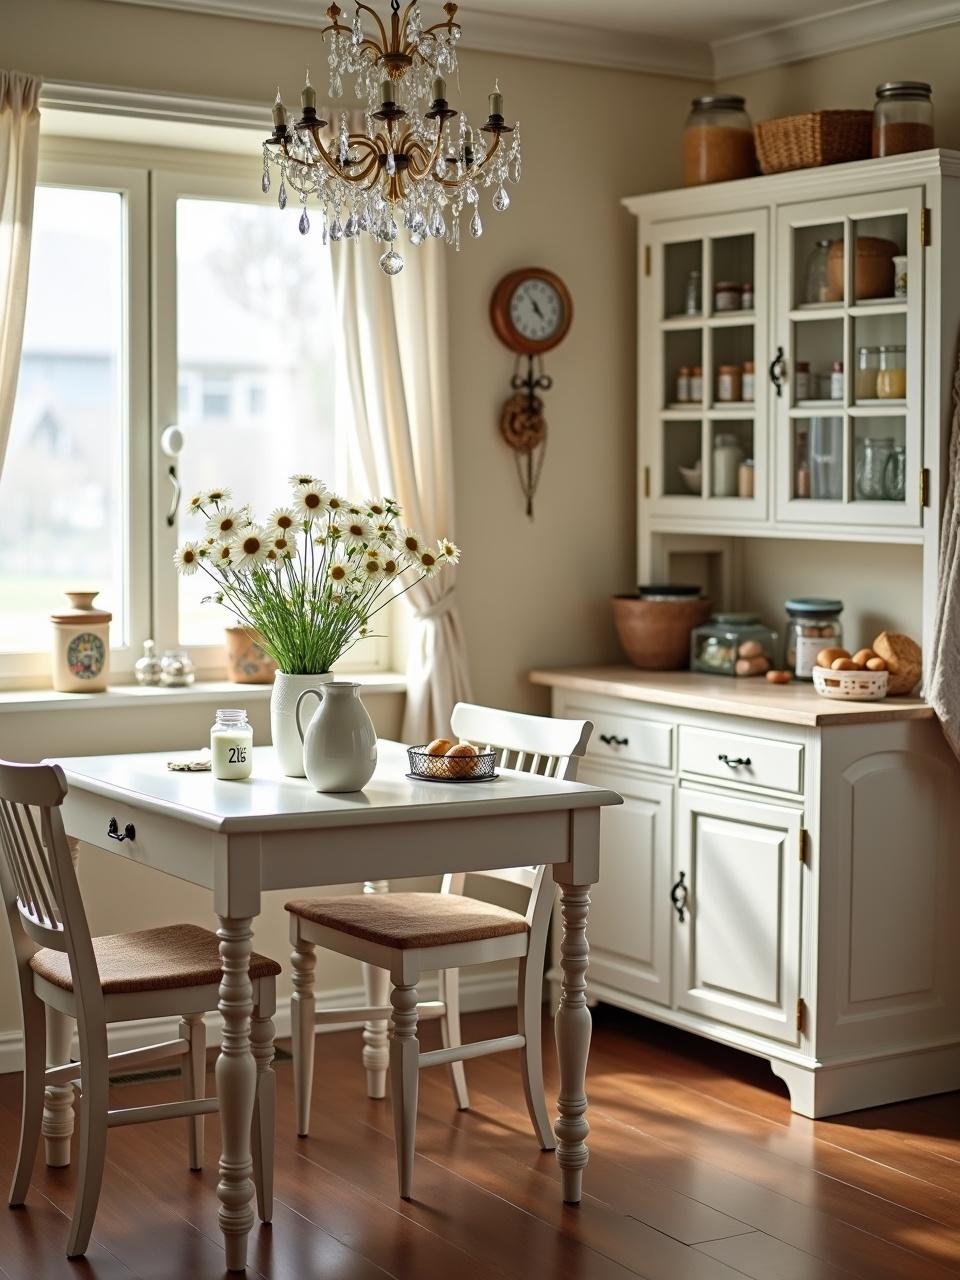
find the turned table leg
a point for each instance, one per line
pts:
(236, 1075)
(572, 1029)
(376, 1043)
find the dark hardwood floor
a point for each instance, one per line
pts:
(698, 1172)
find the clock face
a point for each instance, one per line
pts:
(536, 310)
(531, 310)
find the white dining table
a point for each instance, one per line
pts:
(238, 839)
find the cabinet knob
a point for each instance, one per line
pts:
(129, 832)
(734, 762)
(612, 740)
(679, 895)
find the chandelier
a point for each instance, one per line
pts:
(418, 163)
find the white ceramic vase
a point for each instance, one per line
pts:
(339, 742)
(283, 718)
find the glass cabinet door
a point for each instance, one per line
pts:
(847, 366)
(702, 367)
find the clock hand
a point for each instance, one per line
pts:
(536, 307)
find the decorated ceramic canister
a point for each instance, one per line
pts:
(81, 645)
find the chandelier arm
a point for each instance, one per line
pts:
(442, 26)
(376, 17)
(428, 160)
(454, 184)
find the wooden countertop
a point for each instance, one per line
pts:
(754, 699)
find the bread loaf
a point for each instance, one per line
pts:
(904, 661)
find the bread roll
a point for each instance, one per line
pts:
(779, 677)
(827, 657)
(904, 661)
(876, 664)
(863, 656)
(461, 760)
(438, 747)
(843, 664)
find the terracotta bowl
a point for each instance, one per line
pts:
(247, 661)
(655, 634)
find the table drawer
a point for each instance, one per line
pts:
(765, 762)
(629, 739)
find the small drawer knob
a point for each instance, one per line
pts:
(129, 831)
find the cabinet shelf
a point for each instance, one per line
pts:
(722, 320)
(878, 409)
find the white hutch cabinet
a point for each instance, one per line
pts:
(784, 874)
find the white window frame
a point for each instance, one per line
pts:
(150, 182)
(131, 182)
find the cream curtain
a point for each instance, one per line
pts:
(397, 361)
(942, 684)
(19, 148)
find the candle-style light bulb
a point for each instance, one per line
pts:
(496, 100)
(388, 92)
(308, 94)
(279, 112)
(439, 88)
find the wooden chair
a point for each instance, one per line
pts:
(153, 973)
(409, 933)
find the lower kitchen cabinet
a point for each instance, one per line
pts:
(737, 912)
(783, 877)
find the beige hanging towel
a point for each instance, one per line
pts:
(943, 682)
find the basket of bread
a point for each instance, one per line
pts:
(893, 666)
(446, 761)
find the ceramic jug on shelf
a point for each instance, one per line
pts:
(340, 742)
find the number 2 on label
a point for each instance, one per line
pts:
(238, 755)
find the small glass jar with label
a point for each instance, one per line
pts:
(748, 381)
(892, 374)
(692, 303)
(696, 384)
(728, 296)
(801, 380)
(729, 382)
(813, 623)
(683, 384)
(231, 746)
(836, 380)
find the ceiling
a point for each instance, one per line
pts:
(703, 39)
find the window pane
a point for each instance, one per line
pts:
(61, 491)
(256, 365)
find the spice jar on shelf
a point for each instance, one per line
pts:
(892, 374)
(836, 380)
(747, 381)
(683, 384)
(745, 479)
(729, 383)
(746, 297)
(801, 380)
(693, 301)
(868, 364)
(717, 141)
(696, 384)
(812, 624)
(727, 296)
(902, 118)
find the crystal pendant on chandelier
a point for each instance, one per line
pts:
(391, 262)
(416, 163)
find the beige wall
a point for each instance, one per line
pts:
(849, 78)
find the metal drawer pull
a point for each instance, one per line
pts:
(678, 896)
(734, 762)
(612, 740)
(129, 832)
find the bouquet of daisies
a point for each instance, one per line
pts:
(312, 575)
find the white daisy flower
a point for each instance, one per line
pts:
(217, 496)
(250, 548)
(225, 524)
(411, 544)
(302, 477)
(339, 573)
(221, 554)
(187, 558)
(378, 509)
(196, 503)
(356, 530)
(384, 533)
(311, 500)
(281, 545)
(336, 504)
(391, 566)
(282, 520)
(448, 551)
(428, 562)
(371, 567)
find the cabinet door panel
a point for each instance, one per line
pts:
(629, 925)
(738, 949)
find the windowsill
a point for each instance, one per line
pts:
(204, 691)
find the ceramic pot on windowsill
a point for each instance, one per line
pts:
(247, 660)
(283, 717)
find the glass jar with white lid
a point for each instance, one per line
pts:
(231, 745)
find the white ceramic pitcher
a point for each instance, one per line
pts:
(340, 742)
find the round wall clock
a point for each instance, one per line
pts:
(531, 311)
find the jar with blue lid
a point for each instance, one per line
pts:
(813, 623)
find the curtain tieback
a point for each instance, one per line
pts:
(435, 610)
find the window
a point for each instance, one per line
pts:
(236, 350)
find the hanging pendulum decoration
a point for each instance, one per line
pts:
(531, 311)
(524, 427)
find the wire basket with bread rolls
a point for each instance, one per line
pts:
(444, 760)
(892, 667)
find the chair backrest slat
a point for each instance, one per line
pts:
(557, 745)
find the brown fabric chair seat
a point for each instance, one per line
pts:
(410, 920)
(176, 955)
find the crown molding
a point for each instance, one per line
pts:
(847, 28)
(144, 104)
(496, 33)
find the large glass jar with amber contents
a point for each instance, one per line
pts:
(717, 141)
(902, 118)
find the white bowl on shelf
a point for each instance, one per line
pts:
(851, 686)
(692, 477)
